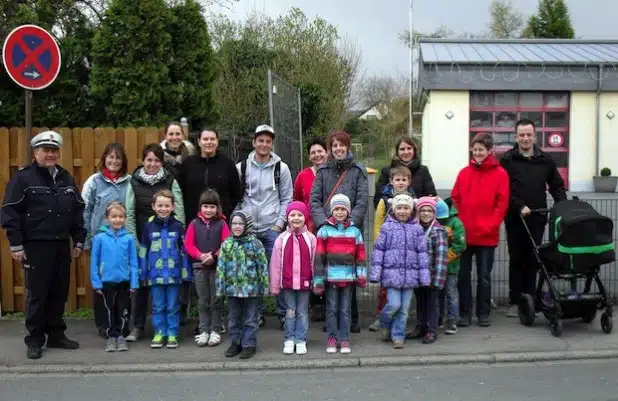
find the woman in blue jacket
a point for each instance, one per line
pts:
(108, 184)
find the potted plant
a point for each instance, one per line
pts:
(605, 182)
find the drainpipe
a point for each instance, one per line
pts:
(598, 120)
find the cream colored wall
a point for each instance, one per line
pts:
(445, 142)
(608, 154)
(582, 141)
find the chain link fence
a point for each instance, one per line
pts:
(285, 117)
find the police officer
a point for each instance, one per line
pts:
(42, 211)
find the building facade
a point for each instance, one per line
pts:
(568, 87)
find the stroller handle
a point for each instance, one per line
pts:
(540, 211)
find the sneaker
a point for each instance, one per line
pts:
(61, 341)
(122, 344)
(110, 345)
(157, 341)
(355, 328)
(301, 348)
(215, 339)
(331, 346)
(451, 327)
(464, 322)
(512, 311)
(233, 350)
(202, 339)
(484, 321)
(261, 321)
(441, 323)
(134, 335)
(375, 326)
(345, 347)
(247, 353)
(385, 334)
(415, 334)
(430, 338)
(398, 344)
(222, 331)
(288, 347)
(172, 342)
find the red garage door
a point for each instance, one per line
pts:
(497, 113)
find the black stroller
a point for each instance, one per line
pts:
(580, 241)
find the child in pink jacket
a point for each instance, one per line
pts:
(291, 270)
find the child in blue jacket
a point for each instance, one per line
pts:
(113, 273)
(163, 266)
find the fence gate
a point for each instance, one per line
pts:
(285, 117)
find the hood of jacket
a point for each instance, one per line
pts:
(176, 156)
(487, 164)
(413, 164)
(262, 198)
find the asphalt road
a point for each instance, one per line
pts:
(577, 381)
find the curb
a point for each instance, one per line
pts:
(318, 363)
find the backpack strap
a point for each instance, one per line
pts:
(277, 173)
(243, 175)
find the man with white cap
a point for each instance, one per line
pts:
(267, 192)
(42, 212)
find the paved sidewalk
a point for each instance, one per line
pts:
(505, 341)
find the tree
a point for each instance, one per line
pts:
(130, 75)
(192, 68)
(506, 22)
(552, 21)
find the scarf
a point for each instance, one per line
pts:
(151, 179)
(113, 177)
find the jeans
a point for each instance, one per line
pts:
(449, 298)
(297, 315)
(209, 305)
(394, 315)
(268, 238)
(243, 321)
(427, 305)
(523, 265)
(166, 309)
(338, 301)
(484, 256)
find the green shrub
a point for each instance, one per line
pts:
(606, 172)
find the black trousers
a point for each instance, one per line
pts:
(116, 301)
(523, 265)
(47, 267)
(140, 301)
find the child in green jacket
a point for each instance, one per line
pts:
(446, 214)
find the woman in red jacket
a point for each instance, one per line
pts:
(481, 195)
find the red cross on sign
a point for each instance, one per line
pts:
(31, 57)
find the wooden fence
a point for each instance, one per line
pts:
(80, 156)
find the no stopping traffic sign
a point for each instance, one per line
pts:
(31, 57)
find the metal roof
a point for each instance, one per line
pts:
(518, 51)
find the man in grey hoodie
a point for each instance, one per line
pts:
(268, 191)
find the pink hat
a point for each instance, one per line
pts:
(426, 201)
(299, 206)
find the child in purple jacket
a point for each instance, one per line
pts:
(400, 263)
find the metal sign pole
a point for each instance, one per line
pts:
(28, 136)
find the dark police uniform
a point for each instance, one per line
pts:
(42, 211)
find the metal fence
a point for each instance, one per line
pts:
(500, 274)
(285, 118)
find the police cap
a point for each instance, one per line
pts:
(47, 139)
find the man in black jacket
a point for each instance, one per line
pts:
(530, 172)
(41, 213)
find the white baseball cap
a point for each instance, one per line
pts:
(265, 129)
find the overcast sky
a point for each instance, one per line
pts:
(375, 24)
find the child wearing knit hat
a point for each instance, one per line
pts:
(400, 264)
(339, 266)
(291, 273)
(427, 304)
(242, 277)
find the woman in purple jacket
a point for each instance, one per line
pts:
(400, 263)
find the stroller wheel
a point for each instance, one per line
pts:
(607, 323)
(526, 310)
(589, 318)
(556, 327)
